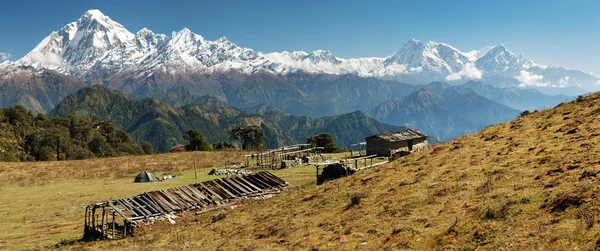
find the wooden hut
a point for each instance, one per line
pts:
(389, 143)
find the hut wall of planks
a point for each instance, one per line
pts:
(287, 156)
(117, 219)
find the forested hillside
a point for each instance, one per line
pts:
(164, 125)
(25, 136)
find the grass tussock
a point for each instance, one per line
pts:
(355, 199)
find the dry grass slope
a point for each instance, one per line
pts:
(527, 184)
(41, 202)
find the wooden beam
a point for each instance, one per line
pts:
(117, 210)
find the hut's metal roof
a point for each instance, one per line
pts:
(407, 134)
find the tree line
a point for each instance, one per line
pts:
(252, 137)
(29, 136)
(26, 136)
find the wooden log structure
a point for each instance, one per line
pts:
(272, 158)
(148, 207)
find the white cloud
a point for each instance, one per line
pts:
(453, 76)
(5, 56)
(47, 59)
(417, 69)
(564, 82)
(530, 79)
(469, 71)
(598, 82)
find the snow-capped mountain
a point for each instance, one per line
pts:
(95, 45)
(79, 45)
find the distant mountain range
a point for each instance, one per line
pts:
(101, 51)
(516, 98)
(164, 125)
(38, 91)
(444, 112)
(304, 94)
(169, 84)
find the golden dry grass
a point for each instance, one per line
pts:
(527, 184)
(42, 200)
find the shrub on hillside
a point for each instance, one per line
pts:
(252, 137)
(324, 140)
(197, 142)
(147, 147)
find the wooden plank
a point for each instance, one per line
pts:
(198, 197)
(161, 201)
(230, 187)
(240, 184)
(134, 207)
(249, 183)
(267, 180)
(266, 185)
(226, 195)
(246, 184)
(158, 195)
(150, 206)
(186, 197)
(221, 188)
(247, 189)
(142, 207)
(269, 175)
(133, 214)
(192, 192)
(175, 199)
(234, 186)
(186, 201)
(117, 210)
(156, 205)
(257, 182)
(209, 191)
(171, 199)
(190, 202)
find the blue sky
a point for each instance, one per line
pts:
(563, 33)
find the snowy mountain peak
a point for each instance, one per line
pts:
(186, 41)
(95, 44)
(500, 60)
(222, 39)
(144, 31)
(500, 48)
(432, 43)
(323, 56)
(186, 36)
(413, 41)
(436, 58)
(94, 13)
(95, 20)
(78, 45)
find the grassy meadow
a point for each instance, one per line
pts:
(42, 201)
